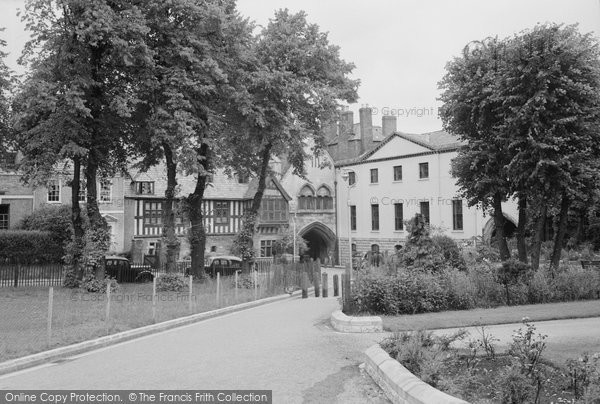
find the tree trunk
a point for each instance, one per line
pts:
(559, 236)
(99, 236)
(97, 243)
(197, 234)
(246, 237)
(521, 244)
(539, 232)
(169, 234)
(499, 225)
(76, 220)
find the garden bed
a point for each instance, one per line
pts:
(474, 371)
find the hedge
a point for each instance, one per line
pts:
(28, 246)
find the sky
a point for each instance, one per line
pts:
(399, 47)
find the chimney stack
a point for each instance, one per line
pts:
(366, 127)
(346, 133)
(388, 125)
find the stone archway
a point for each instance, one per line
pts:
(489, 230)
(320, 240)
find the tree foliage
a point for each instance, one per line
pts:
(293, 95)
(7, 82)
(528, 106)
(73, 110)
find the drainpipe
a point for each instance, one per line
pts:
(337, 230)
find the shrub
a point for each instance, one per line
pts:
(514, 387)
(462, 291)
(71, 280)
(94, 285)
(55, 219)
(421, 352)
(30, 246)
(408, 292)
(513, 272)
(576, 284)
(170, 282)
(540, 288)
(447, 248)
(584, 376)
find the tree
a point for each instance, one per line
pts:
(189, 102)
(76, 102)
(543, 89)
(6, 84)
(552, 87)
(293, 95)
(473, 112)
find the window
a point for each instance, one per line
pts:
(425, 211)
(397, 173)
(105, 191)
(152, 246)
(8, 160)
(274, 210)
(351, 178)
(306, 199)
(374, 176)
(398, 216)
(324, 200)
(82, 196)
(153, 214)
(266, 248)
(457, 214)
(4, 212)
(374, 217)
(423, 170)
(221, 212)
(144, 187)
(353, 247)
(53, 191)
(352, 217)
(243, 178)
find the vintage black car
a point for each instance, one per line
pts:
(120, 268)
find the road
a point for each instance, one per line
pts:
(287, 347)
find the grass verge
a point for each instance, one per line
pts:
(497, 315)
(79, 316)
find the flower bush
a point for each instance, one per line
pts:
(413, 290)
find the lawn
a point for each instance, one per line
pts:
(497, 315)
(78, 315)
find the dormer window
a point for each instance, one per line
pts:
(144, 187)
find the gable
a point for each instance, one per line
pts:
(397, 146)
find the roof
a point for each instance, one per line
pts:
(226, 257)
(436, 142)
(253, 186)
(222, 186)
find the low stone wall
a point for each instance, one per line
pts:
(344, 323)
(401, 386)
